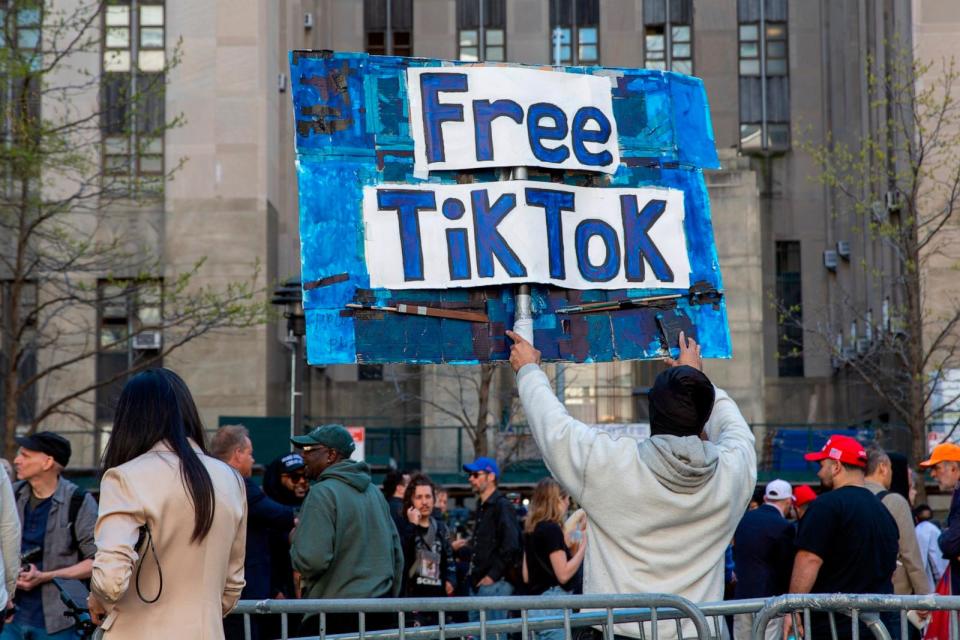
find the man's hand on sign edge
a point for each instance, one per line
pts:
(522, 352)
(689, 354)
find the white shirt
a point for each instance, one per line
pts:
(933, 561)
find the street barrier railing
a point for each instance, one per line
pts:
(577, 612)
(857, 608)
(649, 616)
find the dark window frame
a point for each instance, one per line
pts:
(494, 21)
(583, 15)
(761, 131)
(120, 355)
(13, 88)
(130, 152)
(665, 23)
(375, 25)
(27, 403)
(789, 292)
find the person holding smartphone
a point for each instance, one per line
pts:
(548, 564)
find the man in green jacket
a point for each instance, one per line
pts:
(346, 544)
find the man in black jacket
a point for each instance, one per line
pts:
(496, 536)
(394, 485)
(232, 445)
(763, 555)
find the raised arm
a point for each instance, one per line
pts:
(568, 445)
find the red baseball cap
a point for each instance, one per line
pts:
(841, 448)
(804, 494)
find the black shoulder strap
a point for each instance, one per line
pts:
(76, 501)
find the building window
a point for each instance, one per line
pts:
(600, 393)
(574, 29)
(668, 35)
(764, 76)
(20, 88)
(128, 336)
(369, 372)
(790, 315)
(132, 94)
(472, 36)
(393, 37)
(21, 348)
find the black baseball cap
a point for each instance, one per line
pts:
(48, 442)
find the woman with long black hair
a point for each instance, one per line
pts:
(171, 528)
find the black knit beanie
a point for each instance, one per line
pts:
(681, 401)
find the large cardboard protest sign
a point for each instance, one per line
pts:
(414, 234)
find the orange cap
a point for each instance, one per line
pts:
(941, 452)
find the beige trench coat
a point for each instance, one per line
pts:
(201, 581)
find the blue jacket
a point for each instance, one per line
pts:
(950, 542)
(763, 553)
(263, 516)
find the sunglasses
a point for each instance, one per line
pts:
(296, 477)
(313, 447)
(477, 474)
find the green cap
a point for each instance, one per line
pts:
(334, 436)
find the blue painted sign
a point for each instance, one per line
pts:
(412, 240)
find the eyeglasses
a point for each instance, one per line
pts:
(314, 447)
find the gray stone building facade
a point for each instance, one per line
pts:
(777, 73)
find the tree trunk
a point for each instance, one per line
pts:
(918, 441)
(480, 444)
(916, 420)
(9, 414)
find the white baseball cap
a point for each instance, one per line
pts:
(778, 490)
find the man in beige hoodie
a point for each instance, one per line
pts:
(661, 511)
(910, 576)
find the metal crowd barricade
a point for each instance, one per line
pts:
(579, 611)
(856, 608)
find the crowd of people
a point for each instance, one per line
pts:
(182, 532)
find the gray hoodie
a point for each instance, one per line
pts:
(682, 465)
(660, 513)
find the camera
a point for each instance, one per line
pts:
(30, 556)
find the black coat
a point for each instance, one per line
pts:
(496, 539)
(763, 553)
(263, 517)
(412, 537)
(950, 541)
